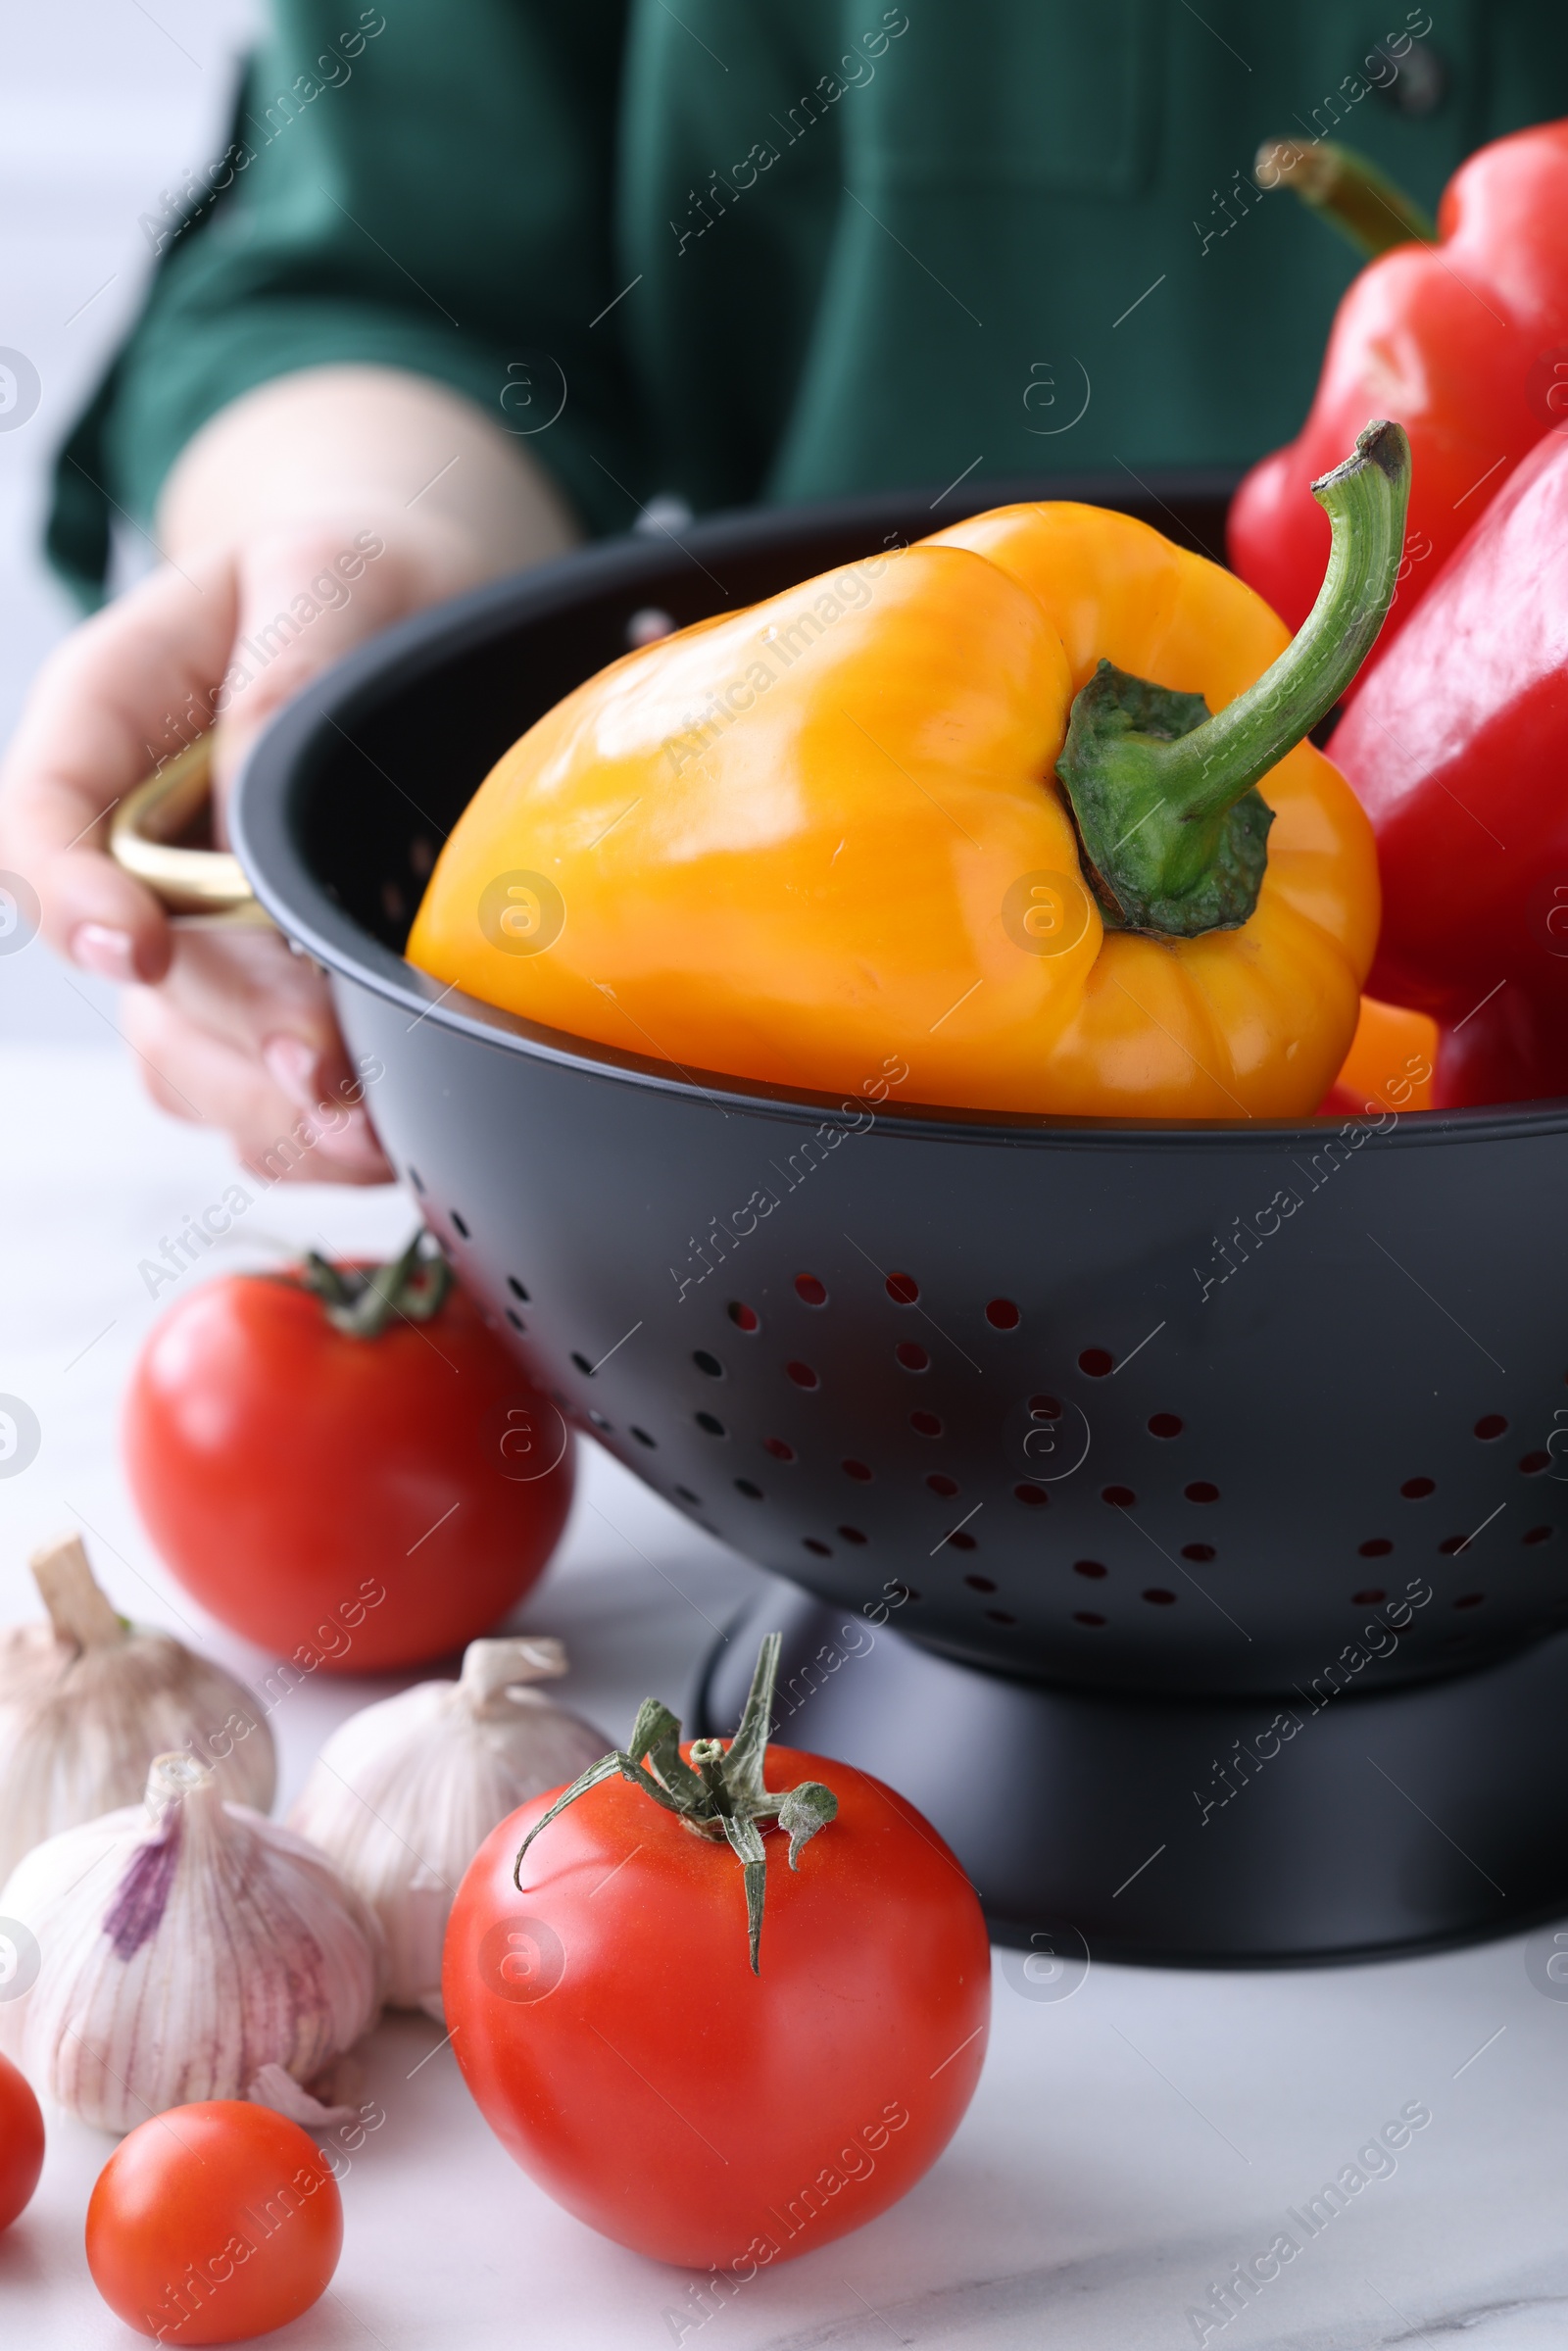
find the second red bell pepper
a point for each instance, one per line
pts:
(1458, 746)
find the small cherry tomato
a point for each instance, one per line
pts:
(607, 2017)
(344, 1463)
(21, 2142)
(213, 2222)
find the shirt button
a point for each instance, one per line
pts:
(1420, 83)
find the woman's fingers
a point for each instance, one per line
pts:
(125, 689)
(247, 992)
(269, 1012)
(196, 1074)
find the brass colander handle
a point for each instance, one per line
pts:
(205, 886)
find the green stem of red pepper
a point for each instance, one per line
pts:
(1348, 191)
(1173, 834)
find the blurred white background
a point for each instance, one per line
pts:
(93, 127)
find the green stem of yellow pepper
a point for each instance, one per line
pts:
(1173, 834)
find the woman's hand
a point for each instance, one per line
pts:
(299, 523)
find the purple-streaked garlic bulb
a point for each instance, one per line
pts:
(178, 1947)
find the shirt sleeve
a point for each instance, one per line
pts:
(432, 188)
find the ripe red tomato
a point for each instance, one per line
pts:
(608, 2024)
(215, 2222)
(348, 1502)
(21, 2142)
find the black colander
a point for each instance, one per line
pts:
(1145, 1408)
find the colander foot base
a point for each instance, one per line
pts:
(1390, 1822)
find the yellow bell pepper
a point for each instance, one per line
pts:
(963, 805)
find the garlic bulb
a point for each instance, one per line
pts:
(86, 1701)
(183, 1946)
(406, 1791)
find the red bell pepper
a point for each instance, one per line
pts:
(1458, 746)
(1464, 342)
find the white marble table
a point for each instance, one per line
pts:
(1128, 2147)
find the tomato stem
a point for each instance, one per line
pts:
(724, 1796)
(359, 1300)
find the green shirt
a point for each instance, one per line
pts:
(739, 250)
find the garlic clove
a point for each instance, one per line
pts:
(186, 1944)
(493, 1671)
(283, 2094)
(407, 1790)
(87, 1701)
